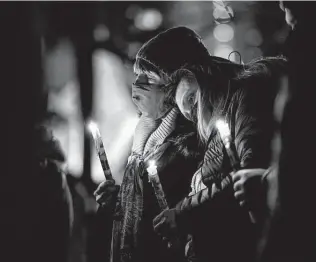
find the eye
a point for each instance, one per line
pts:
(191, 99)
(152, 80)
(137, 98)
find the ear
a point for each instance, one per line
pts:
(185, 95)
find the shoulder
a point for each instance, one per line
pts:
(255, 93)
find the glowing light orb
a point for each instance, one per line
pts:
(223, 33)
(101, 33)
(148, 19)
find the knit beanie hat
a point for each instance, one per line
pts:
(173, 49)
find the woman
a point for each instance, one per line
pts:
(162, 135)
(208, 88)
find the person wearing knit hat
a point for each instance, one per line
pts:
(162, 135)
(172, 49)
(206, 88)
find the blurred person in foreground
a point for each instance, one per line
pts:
(162, 135)
(290, 233)
(55, 210)
(208, 88)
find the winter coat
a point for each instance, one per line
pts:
(221, 230)
(175, 152)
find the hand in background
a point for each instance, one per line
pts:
(106, 192)
(248, 186)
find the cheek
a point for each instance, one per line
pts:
(181, 103)
(146, 103)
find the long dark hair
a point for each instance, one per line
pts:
(215, 77)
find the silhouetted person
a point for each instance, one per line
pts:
(291, 233)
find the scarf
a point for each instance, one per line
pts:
(149, 135)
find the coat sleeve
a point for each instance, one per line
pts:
(254, 126)
(252, 123)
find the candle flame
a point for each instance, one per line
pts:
(93, 127)
(152, 168)
(223, 128)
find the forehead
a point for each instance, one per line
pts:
(186, 87)
(188, 83)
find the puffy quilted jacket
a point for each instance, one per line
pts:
(221, 230)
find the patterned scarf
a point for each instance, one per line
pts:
(129, 209)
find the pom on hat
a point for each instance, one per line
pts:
(173, 49)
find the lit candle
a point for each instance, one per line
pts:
(155, 181)
(226, 137)
(94, 130)
(225, 134)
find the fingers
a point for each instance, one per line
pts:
(242, 203)
(106, 191)
(104, 198)
(159, 227)
(247, 183)
(239, 185)
(240, 196)
(101, 188)
(158, 218)
(248, 173)
(239, 174)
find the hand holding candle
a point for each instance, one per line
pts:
(226, 137)
(93, 128)
(154, 179)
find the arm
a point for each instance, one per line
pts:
(190, 206)
(252, 131)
